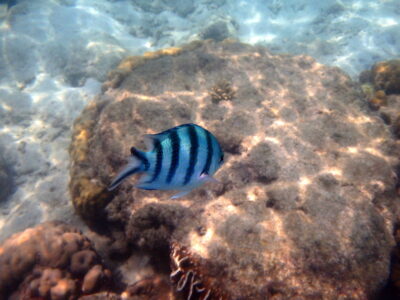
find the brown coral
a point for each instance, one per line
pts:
(378, 100)
(88, 195)
(188, 278)
(222, 90)
(37, 262)
(386, 76)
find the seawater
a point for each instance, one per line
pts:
(55, 55)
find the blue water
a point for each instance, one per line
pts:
(55, 54)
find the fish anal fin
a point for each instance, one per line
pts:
(181, 194)
(207, 178)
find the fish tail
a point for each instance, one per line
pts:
(138, 162)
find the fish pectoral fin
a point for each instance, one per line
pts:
(207, 178)
(181, 194)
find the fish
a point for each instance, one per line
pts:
(181, 158)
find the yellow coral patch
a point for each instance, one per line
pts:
(167, 51)
(130, 63)
(381, 68)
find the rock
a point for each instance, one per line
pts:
(382, 90)
(181, 7)
(16, 107)
(219, 31)
(307, 199)
(7, 185)
(103, 296)
(393, 287)
(147, 289)
(41, 262)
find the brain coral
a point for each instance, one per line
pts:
(49, 261)
(307, 199)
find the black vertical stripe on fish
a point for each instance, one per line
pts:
(175, 145)
(210, 152)
(141, 157)
(125, 175)
(159, 158)
(194, 149)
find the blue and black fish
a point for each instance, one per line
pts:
(181, 158)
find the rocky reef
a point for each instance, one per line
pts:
(307, 200)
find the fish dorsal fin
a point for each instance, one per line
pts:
(150, 138)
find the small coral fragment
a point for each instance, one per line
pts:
(187, 278)
(222, 90)
(386, 76)
(378, 100)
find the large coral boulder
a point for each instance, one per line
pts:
(306, 203)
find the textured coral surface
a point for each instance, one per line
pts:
(50, 261)
(307, 198)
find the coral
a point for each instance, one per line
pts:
(52, 261)
(188, 278)
(51, 284)
(93, 279)
(222, 90)
(379, 100)
(386, 76)
(89, 196)
(307, 194)
(81, 261)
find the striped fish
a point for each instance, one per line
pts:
(181, 158)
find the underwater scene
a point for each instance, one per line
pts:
(199, 150)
